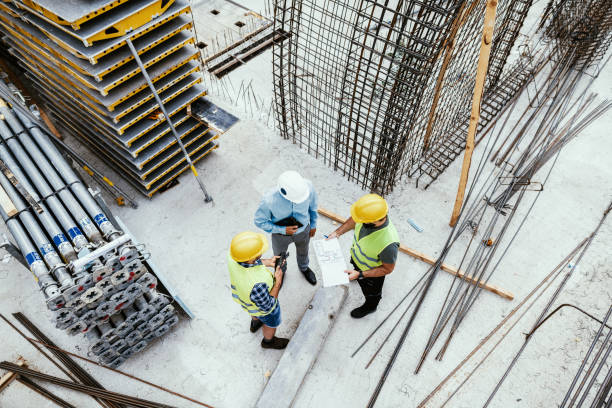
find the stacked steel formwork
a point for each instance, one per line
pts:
(379, 89)
(92, 275)
(77, 57)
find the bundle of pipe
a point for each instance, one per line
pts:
(91, 274)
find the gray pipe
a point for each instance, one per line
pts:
(71, 179)
(76, 236)
(51, 175)
(37, 266)
(58, 269)
(59, 239)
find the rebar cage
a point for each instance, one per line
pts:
(382, 89)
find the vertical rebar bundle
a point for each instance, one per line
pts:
(378, 89)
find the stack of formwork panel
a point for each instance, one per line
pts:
(93, 276)
(76, 55)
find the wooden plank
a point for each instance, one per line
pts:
(429, 260)
(481, 75)
(9, 377)
(7, 204)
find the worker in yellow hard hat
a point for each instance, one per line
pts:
(374, 250)
(254, 287)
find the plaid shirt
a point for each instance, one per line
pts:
(260, 295)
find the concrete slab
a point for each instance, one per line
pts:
(303, 349)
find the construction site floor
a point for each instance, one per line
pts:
(214, 358)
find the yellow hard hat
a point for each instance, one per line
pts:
(248, 245)
(369, 208)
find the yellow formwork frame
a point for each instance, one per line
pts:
(166, 100)
(190, 40)
(194, 161)
(121, 165)
(164, 133)
(46, 68)
(119, 29)
(112, 106)
(154, 125)
(187, 26)
(80, 91)
(131, 22)
(94, 60)
(76, 24)
(100, 76)
(144, 99)
(145, 175)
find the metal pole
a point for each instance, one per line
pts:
(37, 266)
(59, 239)
(50, 174)
(48, 195)
(207, 197)
(71, 179)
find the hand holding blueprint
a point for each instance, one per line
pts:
(331, 261)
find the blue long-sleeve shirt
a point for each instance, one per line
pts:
(274, 207)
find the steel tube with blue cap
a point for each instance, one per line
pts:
(49, 255)
(76, 236)
(59, 239)
(67, 174)
(56, 183)
(41, 274)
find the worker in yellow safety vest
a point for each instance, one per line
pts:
(374, 250)
(254, 287)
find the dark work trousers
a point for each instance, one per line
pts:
(371, 288)
(280, 243)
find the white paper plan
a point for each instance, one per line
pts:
(331, 261)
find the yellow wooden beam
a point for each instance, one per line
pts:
(429, 260)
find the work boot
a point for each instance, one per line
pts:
(310, 276)
(255, 325)
(276, 343)
(369, 306)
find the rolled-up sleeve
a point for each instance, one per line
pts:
(312, 209)
(263, 219)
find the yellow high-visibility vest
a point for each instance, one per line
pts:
(243, 280)
(365, 251)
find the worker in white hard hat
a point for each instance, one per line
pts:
(289, 213)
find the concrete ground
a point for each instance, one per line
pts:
(214, 357)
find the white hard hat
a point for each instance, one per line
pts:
(293, 187)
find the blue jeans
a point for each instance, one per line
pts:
(273, 319)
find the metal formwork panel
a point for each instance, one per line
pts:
(115, 23)
(108, 63)
(73, 13)
(100, 95)
(145, 95)
(102, 104)
(163, 176)
(95, 52)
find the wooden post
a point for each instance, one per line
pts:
(481, 74)
(429, 260)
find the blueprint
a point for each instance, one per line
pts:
(331, 262)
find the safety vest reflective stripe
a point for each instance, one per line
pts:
(242, 281)
(365, 251)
